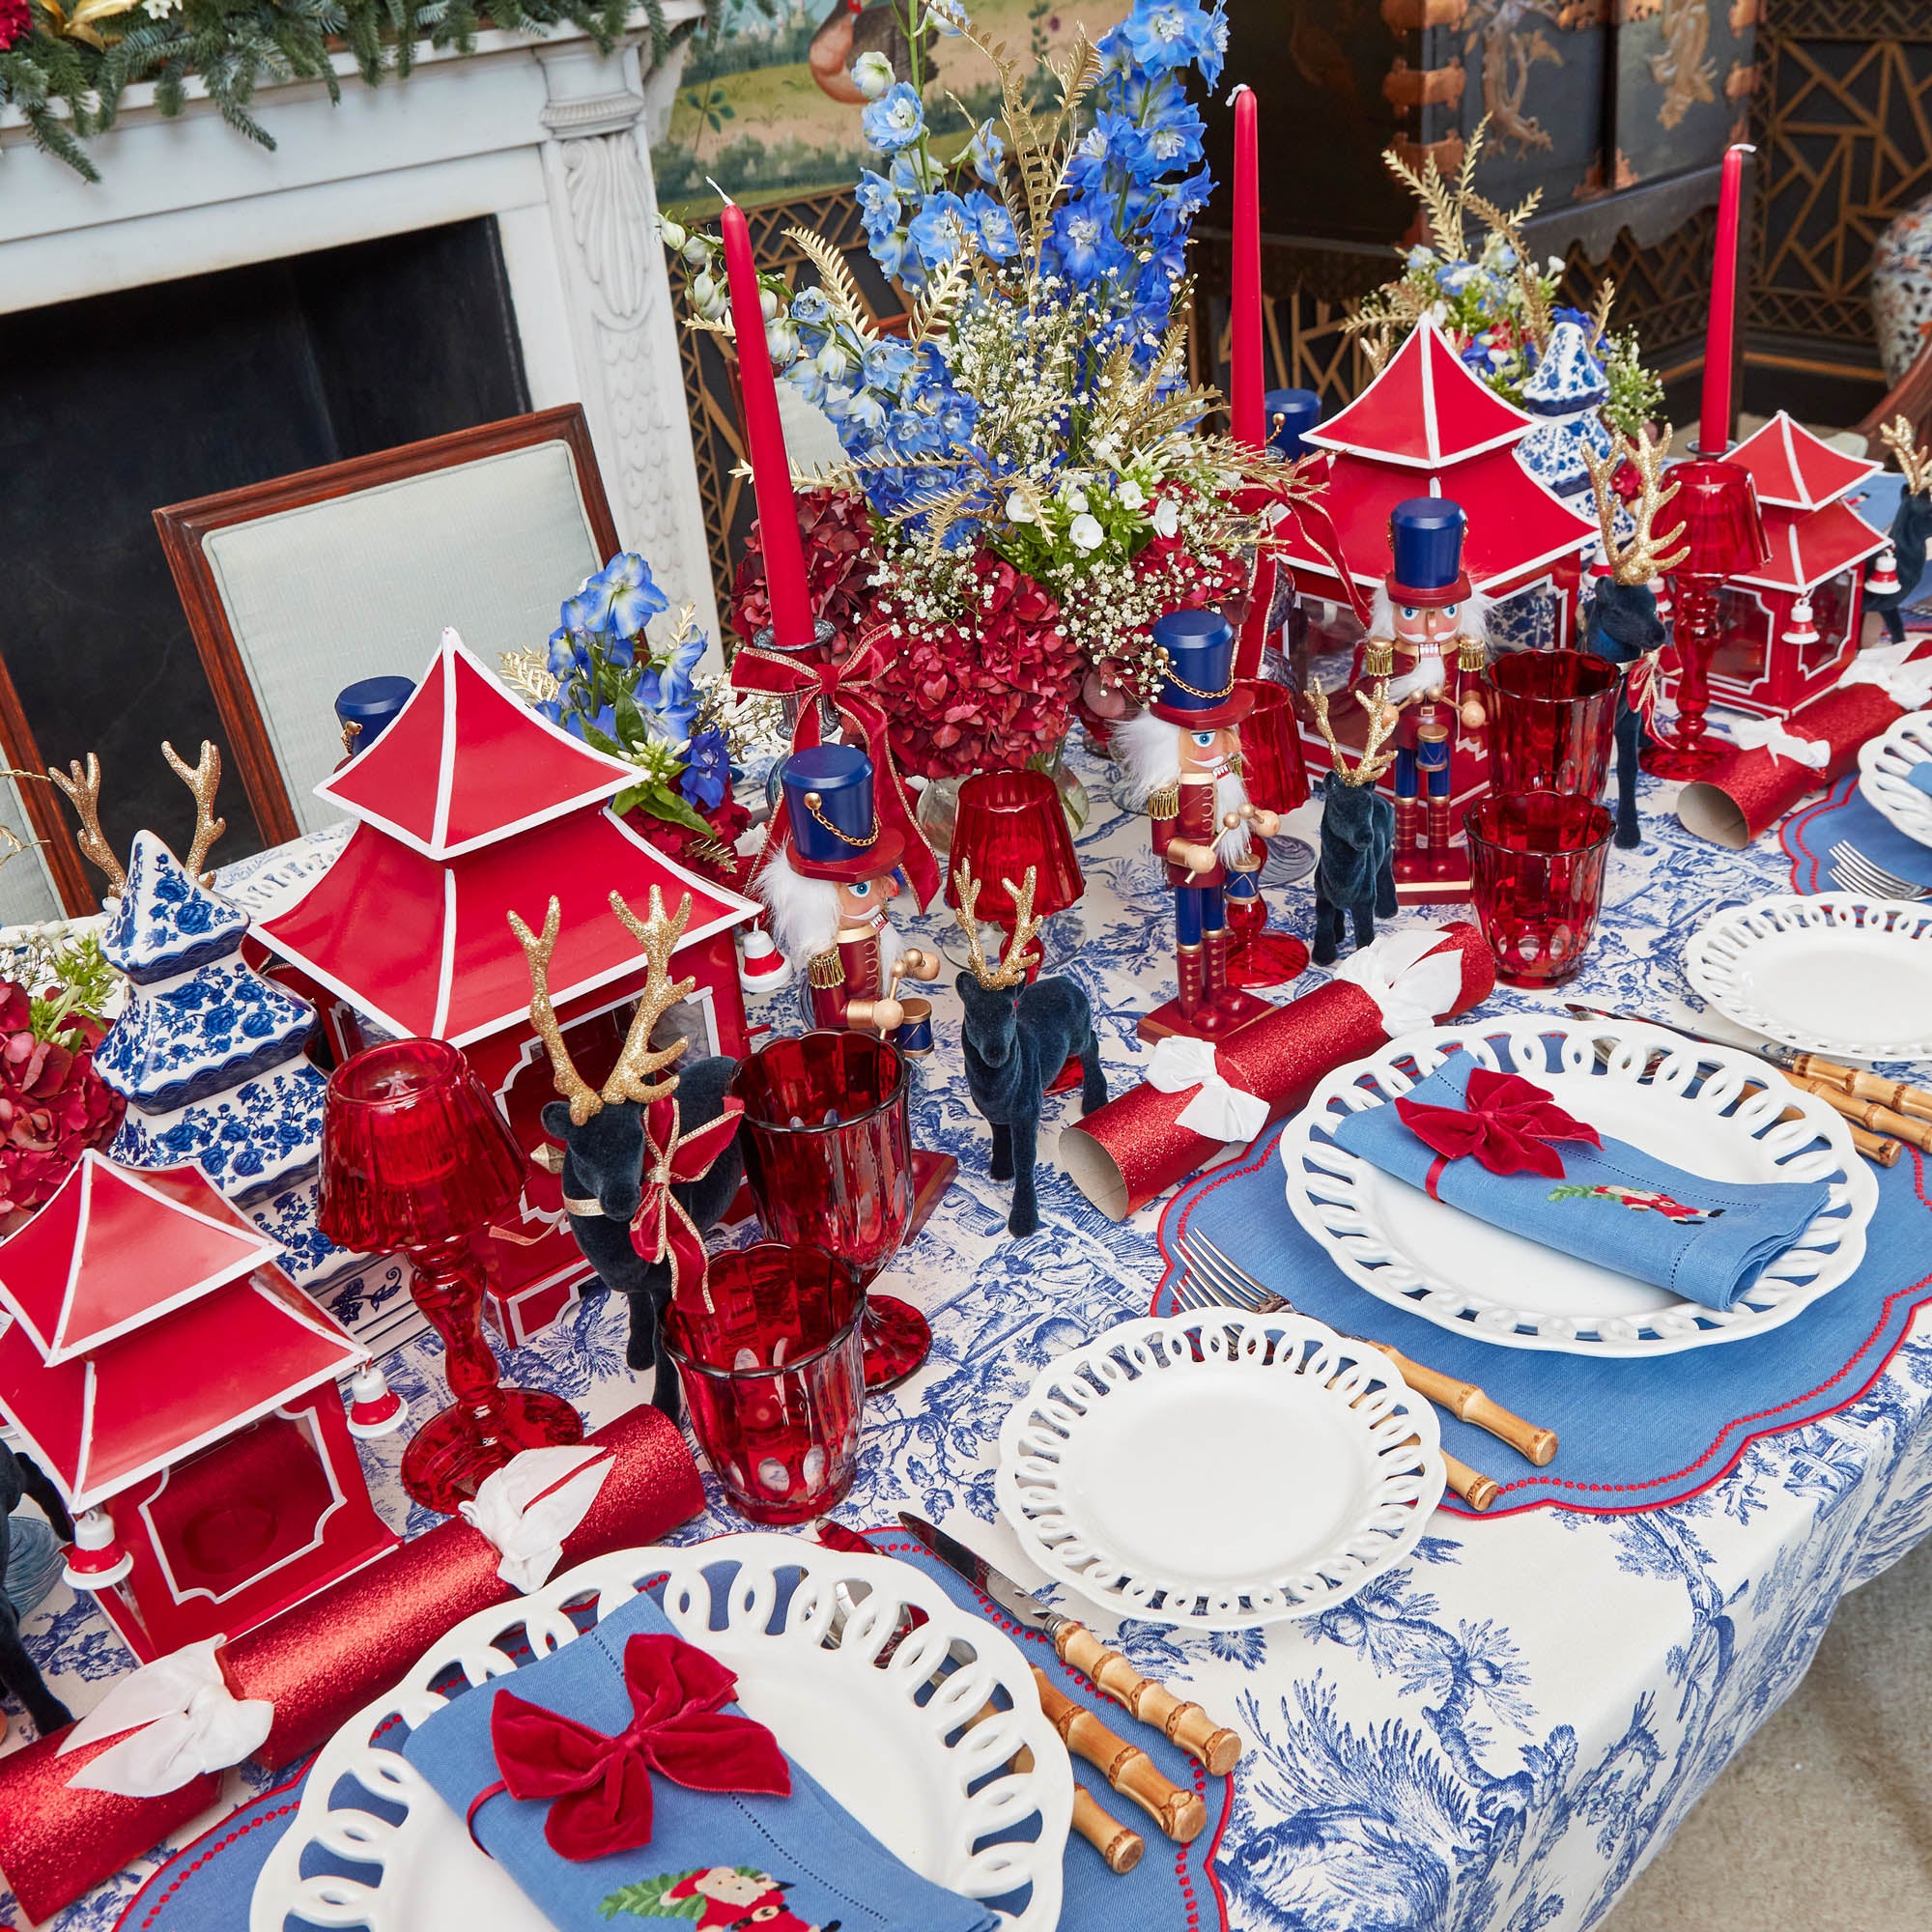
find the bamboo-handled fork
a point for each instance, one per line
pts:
(1464, 1401)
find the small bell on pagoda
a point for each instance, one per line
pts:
(1661, 594)
(1884, 578)
(1801, 629)
(96, 1560)
(761, 967)
(375, 1409)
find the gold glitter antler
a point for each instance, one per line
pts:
(1382, 715)
(631, 1078)
(584, 1099)
(1636, 561)
(1012, 966)
(1913, 465)
(204, 781)
(82, 786)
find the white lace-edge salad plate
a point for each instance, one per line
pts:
(1885, 767)
(1218, 1469)
(873, 1720)
(1689, 1104)
(1831, 973)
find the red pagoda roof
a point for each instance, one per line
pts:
(137, 1404)
(116, 1249)
(1426, 408)
(1809, 546)
(426, 949)
(1797, 471)
(467, 762)
(1516, 525)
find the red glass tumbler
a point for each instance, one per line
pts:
(828, 1151)
(774, 1372)
(1537, 859)
(1552, 722)
(415, 1156)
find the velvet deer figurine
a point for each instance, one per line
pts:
(1017, 1038)
(1623, 624)
(1910, 528)
(1357, 871)
(649, 1163)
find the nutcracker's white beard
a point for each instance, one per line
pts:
(1433, 669)
(1149, 752)
(805, 917)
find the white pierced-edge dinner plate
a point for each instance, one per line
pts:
(1883, 763)
(1832, 973)
(1671, 1097)
(819, 1669)
(1219, 1469)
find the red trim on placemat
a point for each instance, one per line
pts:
(898, 1543)
(179, 1868)
(1921, 1291)
(1789, 832)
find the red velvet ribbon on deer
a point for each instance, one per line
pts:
(599, 1787)
(848, 682)
(660, 1226)
(1508, 1127)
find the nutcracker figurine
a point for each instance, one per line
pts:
(828, 889)
(1425, 636)
(1183, 756)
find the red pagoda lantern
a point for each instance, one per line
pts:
(180, 1392)
(469, 807)
(1786, 632)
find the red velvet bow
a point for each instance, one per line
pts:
(848, 682)
(660, 1226)
(600, 1788)
(1507, 1125)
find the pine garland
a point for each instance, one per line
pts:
(68, 73)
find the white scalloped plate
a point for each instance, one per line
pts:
(902, 1767)
(1462, 1274)
(1832, 973)
(1883, 764)
(1219, 1470)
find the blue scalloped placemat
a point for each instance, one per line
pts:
(1635, 1434)
(1843, 814)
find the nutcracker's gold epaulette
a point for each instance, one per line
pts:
(825, 970)
(1165, 803)
(1378, 658)
(1472, 655)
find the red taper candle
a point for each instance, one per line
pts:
(793, 623)
(1247, 386)
(1713, 429)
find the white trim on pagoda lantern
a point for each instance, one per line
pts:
(1817, 543)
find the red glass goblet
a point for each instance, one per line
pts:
(1552, 722)
(1717, 505)
(1275, 777)
(1537, 860)
(828, 1151)
(773, 1371)
(415, 1156)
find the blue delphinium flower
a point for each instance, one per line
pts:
(604, 721)
(938, 229)
(1175, 33)
(707, 770)
(1084, 243)
(669, 690)
(878, 202)
(989, 154)
(992, 227)
(894, 120)
(811, 317)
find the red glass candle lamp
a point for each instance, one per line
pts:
(415, 1157)
(1276, 780)
(1725, 534)
(1008, 821)
(773, 1364)
(828, 1154)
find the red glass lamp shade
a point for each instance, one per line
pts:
(1716, 503)
(1271, 764)
(413, 1150)
(1007, 821)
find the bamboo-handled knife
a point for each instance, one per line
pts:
(1181, 1723)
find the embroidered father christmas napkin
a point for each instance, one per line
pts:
(619, 1786)
(1498, 1147)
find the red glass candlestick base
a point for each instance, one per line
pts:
(1688, 754)
(1260, 957)
(486, 1423)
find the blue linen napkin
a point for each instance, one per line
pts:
(1707, 1240)
(798, 1863)
(1920, 775)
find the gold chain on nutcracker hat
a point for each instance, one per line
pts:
(871, 838)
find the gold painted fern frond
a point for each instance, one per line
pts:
(933, 311)
(848, 305)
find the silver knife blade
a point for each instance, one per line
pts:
(1022, 1606)
(1769, 1052)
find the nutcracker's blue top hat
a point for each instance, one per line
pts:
(1426, 547)
(369, 704)
(1198, 688)
(833, 825)
(1291, 415)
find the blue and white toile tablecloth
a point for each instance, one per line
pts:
(1494, 1738)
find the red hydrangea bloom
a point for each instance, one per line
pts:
(16, 22)
(835, 526)
(984, 693)
(53, 1106)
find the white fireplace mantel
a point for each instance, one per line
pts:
(546, 135)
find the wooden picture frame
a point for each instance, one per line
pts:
(44, 811)
(183, 525)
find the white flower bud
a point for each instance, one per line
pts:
(872, 75)
(674, 235)
(1019, 509)
(768, 305)
(697, 251)
(704, 292)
